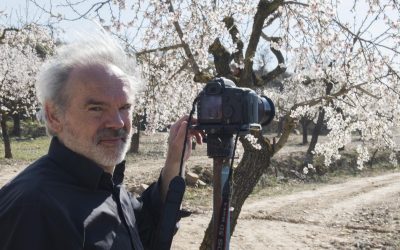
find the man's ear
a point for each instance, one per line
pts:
(53, 117)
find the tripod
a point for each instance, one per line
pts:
(220, 147)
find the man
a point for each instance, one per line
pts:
(73, 197)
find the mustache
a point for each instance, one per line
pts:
(112, 133)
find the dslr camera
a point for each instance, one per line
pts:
(223, 108)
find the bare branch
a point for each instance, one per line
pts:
(357, 37)
(264, 9)
(172, 47)
(188, 52)
(367, 92)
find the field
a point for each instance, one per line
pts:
(345, 209)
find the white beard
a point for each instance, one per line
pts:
(95, 151)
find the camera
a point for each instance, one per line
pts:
(223, 108)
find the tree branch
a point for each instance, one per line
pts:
(280, 68)
(3, 34)
(264, 9)
(289, 121)
(340, 92)
(172, 47)
(234, 32)
(222, 58)
(199, 76)
(288, 126)
(182, 68)
(295, 3)
(95, 7)
(359, 38)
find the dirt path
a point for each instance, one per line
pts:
(362, 213)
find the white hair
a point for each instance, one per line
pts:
(89, 49)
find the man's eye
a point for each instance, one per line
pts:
(96, 109)
(126, 107)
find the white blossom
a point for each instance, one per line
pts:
(253, 141)
(19, 50)
(353, 77)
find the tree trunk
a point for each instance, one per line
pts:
(314, 138)
(245, 177)
(136, 137)
(304, 124)
(17, 125)
(318, 127)
(280, 126)
(6, 138)
(135, 142)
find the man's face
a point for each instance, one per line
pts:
(97, 121)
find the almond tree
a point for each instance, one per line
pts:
(21, 53)
(343, 59)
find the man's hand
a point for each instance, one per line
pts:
(175, 148)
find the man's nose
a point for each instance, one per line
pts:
(115, 120)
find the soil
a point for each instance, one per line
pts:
(359, 213)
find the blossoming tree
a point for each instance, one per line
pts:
(22, 50)
(343, 59)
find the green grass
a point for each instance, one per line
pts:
(27, 149)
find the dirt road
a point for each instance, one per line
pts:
(362, 213)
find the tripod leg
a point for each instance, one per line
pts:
(221, 210)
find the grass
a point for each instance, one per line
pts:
(27, 149)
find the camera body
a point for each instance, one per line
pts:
(223, 108)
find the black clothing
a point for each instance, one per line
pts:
(65, 201)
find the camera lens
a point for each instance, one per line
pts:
(266, 110)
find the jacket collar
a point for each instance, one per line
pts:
(88, 173)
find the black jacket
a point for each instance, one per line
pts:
(65, 201)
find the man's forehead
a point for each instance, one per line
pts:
(97, 71)
(99, 74)
(107, 79)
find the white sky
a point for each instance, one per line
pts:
(17, 9)
(31, 13)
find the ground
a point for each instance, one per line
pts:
(360, 213)
(347, 213)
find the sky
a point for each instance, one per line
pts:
(19, 8)
(19, 11)
(31, 12)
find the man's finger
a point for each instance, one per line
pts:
(181, 132)
(175, 127)
(198, 136)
